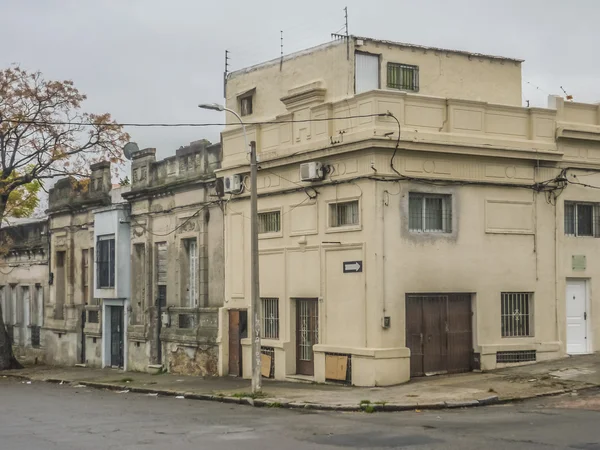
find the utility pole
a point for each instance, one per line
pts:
(254, 276)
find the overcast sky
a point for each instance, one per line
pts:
(154, 61)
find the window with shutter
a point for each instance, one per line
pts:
(161, 263)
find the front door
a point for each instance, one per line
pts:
(116, 336)
(238, 330)
(307, 334)
(576, 317)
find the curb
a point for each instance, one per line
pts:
(277, 403)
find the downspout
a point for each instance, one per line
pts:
(384, 203)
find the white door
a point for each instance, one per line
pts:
(366, 72)
(576, 317)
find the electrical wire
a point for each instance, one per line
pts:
(142, 226)
(176, 125)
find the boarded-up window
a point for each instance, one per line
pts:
(161, 263)
(366, 72)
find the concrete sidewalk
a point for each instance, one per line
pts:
(449, 391)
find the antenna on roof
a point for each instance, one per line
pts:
(281, 60)
(347, 35)
(225, 73)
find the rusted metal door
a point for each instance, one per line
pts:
(460, 333)
(238, 330)
(307, 334)
(439, 333)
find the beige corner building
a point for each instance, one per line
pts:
(414, 217)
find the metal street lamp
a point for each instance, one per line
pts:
(255, 291)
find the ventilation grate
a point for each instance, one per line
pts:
(516, 356)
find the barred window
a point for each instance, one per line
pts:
(582, 219)
(343, 214)
(403, 76)
(516, 314)
(430, 213)
(270, 318)
(106, 261)
(269, 222)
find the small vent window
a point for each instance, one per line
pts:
(246, 105)
(516, 314)
(343, 214)
(269, 222)
(402, 76)
(93, 317)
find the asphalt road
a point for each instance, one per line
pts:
(41, 416)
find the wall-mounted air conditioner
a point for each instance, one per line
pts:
(232, 184)
(311, 171)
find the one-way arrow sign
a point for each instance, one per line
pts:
(352, 266)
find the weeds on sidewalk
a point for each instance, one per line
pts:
(249, 395)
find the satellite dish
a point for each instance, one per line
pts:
(129, 149)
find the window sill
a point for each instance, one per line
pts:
(343, 229)
(270, 235)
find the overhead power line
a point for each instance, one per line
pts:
(125, 124)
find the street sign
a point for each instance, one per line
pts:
(353, 266)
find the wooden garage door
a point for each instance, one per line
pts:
(439, 333)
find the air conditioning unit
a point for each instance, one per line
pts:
(232, 184)
(311, 171)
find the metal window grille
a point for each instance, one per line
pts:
(582, 219)
(308, 329)
(343, 214)
(192, 273)
(516, 356)
(403, 76)
(106, 261)
(269, 222)
(516, 314)
(35, 336)
(93, 317)
(161, 263)
(270, 318)
(186, 321)
(270, 351)
(430, 213)
(348, 379)
(246, 106)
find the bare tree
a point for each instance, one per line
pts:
(44, 135)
